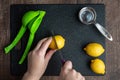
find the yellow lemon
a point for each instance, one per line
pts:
(59, 44)
(94, 49)
(97, 66)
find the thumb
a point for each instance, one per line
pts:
(67, 66)
(49, 55)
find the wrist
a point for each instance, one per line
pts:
(30, 76)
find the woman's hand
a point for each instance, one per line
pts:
(38, 60)
(68, 73)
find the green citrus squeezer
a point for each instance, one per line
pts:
(31, 20)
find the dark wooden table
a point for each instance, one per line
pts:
(112, 48)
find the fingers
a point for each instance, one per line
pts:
(49, 55)
(44, 46)
(67, 72)
(67, 67)
(40, 43)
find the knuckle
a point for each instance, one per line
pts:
(73, 71)
(33, 53)
(79, 74)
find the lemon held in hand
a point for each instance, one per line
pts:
(97, 66)
(94, 49)
(60, 41)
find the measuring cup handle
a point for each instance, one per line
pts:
(104, 32)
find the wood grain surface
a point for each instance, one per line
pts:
(112, 48)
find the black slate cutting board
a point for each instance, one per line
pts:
(63, 19)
